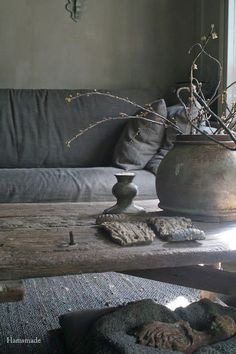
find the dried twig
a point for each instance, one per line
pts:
(107, 119)
(226, 122)
(211, 137)
(147, 109)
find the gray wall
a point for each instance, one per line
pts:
(118, 43)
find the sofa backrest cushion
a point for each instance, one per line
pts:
(35, 124)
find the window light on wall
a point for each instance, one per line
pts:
(231, 50)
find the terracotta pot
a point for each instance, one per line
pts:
(198, 177)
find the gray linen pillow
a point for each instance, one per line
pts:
(175, 114)
(140, 139)
(154, 163)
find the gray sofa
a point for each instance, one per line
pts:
(35, 163)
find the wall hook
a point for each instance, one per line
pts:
(75, 8)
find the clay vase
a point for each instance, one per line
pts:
(198, 178)
(124, 191)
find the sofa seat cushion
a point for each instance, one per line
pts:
(67, 184)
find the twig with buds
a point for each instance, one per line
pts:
(147, 109)
(226, 123)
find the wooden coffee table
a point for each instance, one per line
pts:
(27, 251)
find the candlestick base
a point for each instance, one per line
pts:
(125, 191)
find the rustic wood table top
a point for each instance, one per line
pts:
(27, 250)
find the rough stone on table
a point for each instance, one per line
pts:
(129, 233)
(175, 229)
(110, 218)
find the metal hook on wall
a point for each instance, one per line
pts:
(75, 8)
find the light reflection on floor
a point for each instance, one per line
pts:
(180, 301)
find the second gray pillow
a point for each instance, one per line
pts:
(140, 139)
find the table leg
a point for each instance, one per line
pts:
(204, 294)
(11, 291)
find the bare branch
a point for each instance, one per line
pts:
(147, 109)
(107, 119)
(225, 123)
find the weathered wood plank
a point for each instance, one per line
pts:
(11, 291)
(204, 278)
(80, 209)
(27, 252)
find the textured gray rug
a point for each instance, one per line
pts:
(47, 298)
